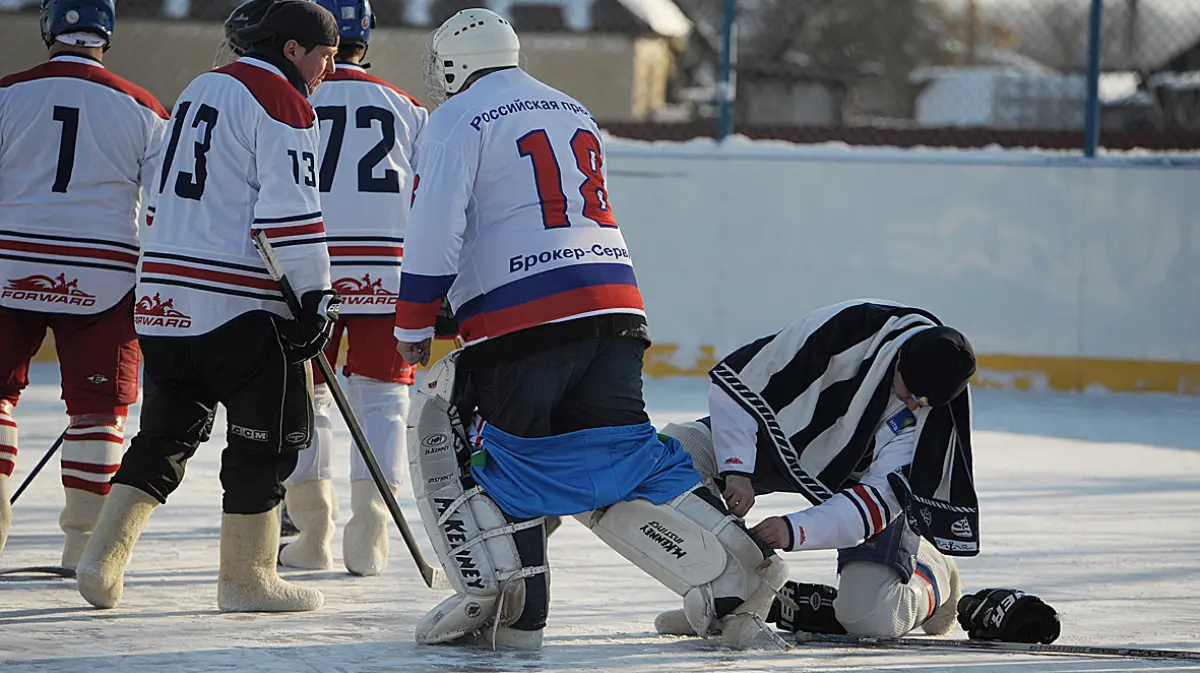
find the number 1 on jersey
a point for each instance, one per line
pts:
(69, 116)
(547, 176)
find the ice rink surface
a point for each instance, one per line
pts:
(1090, 501)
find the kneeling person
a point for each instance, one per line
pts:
(862, 408)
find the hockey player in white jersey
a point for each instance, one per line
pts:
(76, 142)
(214, 329)
(365, 175)
(511, 219)
(863, 408)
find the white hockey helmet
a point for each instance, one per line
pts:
(470, 41)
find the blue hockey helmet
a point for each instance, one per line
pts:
(354, 18)
(60, 17)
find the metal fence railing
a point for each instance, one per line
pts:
(1012, 66)
(941, 72)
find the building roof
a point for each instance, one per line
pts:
(662, 16)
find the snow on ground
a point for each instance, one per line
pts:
(1089, 501)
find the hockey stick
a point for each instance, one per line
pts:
(38, 468)
(14, 574)
(433, 576)
(920, 643)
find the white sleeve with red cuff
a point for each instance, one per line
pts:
(858, 512)
(734, 433)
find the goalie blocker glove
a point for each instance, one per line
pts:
(308, 333)
(1008, 615)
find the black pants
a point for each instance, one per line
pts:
(268, 403)
(595, 383)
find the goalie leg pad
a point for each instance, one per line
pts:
(697, 551)
(470, 534)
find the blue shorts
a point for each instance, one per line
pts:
(581, 471)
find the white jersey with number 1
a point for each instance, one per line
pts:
(76, 142)
(368, 128)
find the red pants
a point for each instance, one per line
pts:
(98, 356)
(372, 349)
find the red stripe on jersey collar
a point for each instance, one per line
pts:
(278, 98)
(348, 72)
(74, 66)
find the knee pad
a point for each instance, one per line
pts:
(874, 600)
(382, 409)
(91, 451)
(697, 441)
(314, 462)
(693, 549)
(470, 534)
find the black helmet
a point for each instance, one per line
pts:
(246, 14)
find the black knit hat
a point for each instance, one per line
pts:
(937, 364)
(305, 22)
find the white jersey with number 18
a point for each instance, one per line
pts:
(368, 128)
(511, 216)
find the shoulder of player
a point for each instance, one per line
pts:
(274, 94)
(87, 73)
(347, 75)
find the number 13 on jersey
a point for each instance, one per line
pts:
(552, 183)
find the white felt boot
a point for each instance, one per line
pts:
(100, 572)
(247, 581)
(365, 539)
(311, 507)
(77, 519)
(5, 510)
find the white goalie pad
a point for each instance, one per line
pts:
(469, 533)
(692, 548)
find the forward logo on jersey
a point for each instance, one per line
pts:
(154, 312)
(364, 291)
(48, 290)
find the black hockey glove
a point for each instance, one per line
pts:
(1007, 615)
(812, 611)
(446, 326)
(308, 334)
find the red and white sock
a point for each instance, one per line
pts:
(92, 453)
(8, 440)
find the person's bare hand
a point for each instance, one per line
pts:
(738, 494)
(773, 531)
(415, 354)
